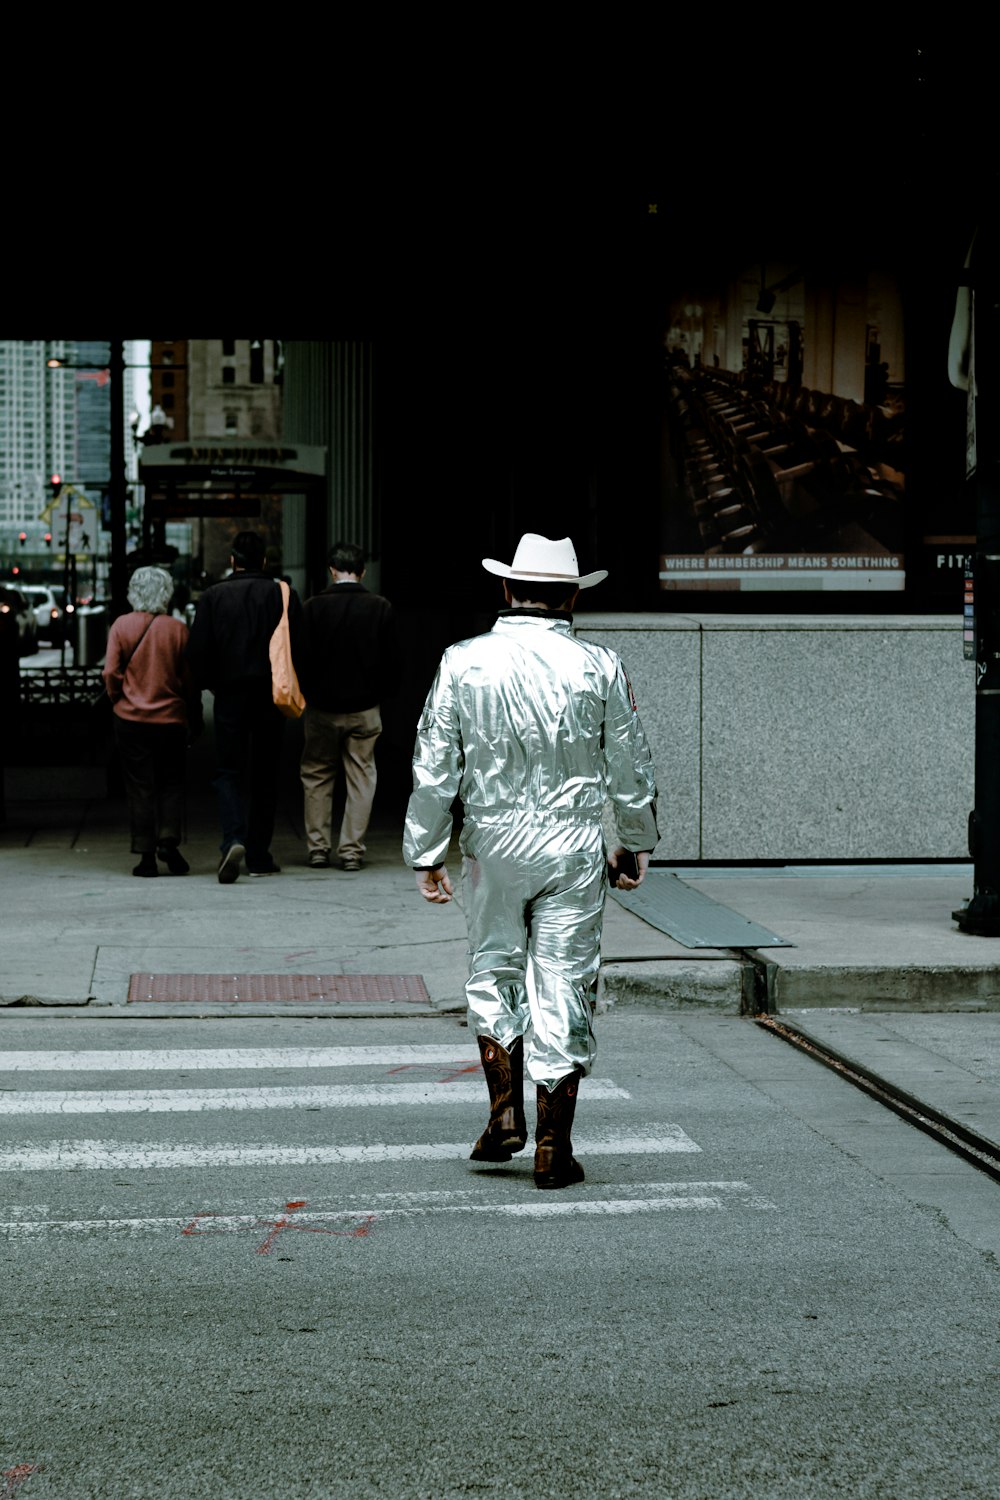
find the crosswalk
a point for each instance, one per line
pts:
(416, 1079)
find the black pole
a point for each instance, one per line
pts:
(117, 489)
(982, 915)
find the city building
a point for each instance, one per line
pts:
(330, 401)
(38, 427)
(168, 388)
(55, 438)
(233, 388)
(225, 393)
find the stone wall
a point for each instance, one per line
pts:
(803, 737)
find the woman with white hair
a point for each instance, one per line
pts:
(156, 706)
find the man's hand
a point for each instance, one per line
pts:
(625, 882)
(434, 885)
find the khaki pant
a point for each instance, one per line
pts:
(333, 741)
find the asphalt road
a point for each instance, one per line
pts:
(767, 1286)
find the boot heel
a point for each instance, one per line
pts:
(555, 1164)
(507, 1130)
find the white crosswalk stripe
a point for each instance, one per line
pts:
(614, 1198)
(140, 1156)
(322, 1096)
(86, 1154)
(187, 1059)
(655, 1197)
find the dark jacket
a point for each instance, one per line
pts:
(232, 628)
(352, 652)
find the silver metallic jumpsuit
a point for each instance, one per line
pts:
(533, 729)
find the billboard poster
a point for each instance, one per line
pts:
(784, 451)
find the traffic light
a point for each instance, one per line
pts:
(47, 539)
(56, 483)
(22, 537)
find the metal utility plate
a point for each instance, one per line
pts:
(691, 918)
(282, 988)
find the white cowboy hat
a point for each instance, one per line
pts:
(539, 560)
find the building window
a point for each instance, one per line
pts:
(256, 361)
(168, 403)
(228, 375)
(232, 422)
(229, 346)
(167, 378)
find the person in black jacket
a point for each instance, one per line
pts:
(229, 653)
(351, 662)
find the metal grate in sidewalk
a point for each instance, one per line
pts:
(277, 988)
(692, 918)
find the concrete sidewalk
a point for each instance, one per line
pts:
(77, 925)
(879, 972)
(867, 937)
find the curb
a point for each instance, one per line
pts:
(725, 986)
(258, 1011)
(749, 983)
(916, 987)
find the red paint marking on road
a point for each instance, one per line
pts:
(284, 1221)
(278, 1225)
(190, 1229)
(16, 1476)
(456, 1072)
(360, 1231)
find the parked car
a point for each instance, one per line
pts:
(49, 612)
(12, 601)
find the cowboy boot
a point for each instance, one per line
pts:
(507, 1130)
(555, 1165)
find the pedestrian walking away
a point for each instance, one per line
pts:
(351, 665)
(534, 730)
(157, 711)
(229, 653)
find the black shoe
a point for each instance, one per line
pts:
(269, 869)
(229, 864)
(146, 866)
(173, 859)
(319, 859)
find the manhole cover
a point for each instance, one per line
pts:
(300, 988)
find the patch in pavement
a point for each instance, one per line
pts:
(279, 988)
(692, 918)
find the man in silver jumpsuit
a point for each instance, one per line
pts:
(533, 729)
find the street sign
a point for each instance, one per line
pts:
(72, 528)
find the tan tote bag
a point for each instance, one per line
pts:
(284, 684)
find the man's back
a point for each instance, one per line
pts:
(530, 700)
(351, 653)
(232, 628)
(532, 724)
